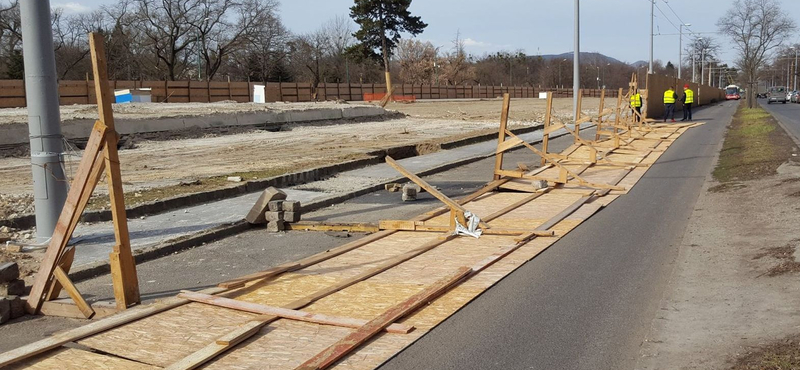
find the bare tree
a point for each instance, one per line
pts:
(417, 60)
(10, 40)
(167, 27)
(757, 28)
(456, 65)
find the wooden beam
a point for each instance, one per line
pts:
(65, 221)
(286, 313)
(73, 292)
(430, 189)
(123, 267)
(498, 158)
(330, 355)
(333, 226)
(548, 117)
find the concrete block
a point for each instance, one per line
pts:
(273, 216)
(9, 271)
(539, 184)
(16, 287)
(5, 310)
(291, 206)
(17, 306)
(291, 217)
(275, 226)
(256, 214)
(275, 206)
(410, 192)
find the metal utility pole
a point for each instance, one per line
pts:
(44, 120)
(694, 67)
(576, 61)
(795, 67)
(703, 66)
(680, 47)
(652, 21)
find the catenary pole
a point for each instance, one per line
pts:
(652, 21)
(576, 69)
(44, 120)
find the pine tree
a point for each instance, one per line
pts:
(381, 23)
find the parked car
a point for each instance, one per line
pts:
(793, 97)
(777, 94)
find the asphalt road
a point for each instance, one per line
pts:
(788, 114)
(588, 300)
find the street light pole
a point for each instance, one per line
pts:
(702, 66)
(652, 20)
(680, 47)
(576, 69)
(44, 117)
(795, 67)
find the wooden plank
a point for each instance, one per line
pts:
(66, 260)
(123, 267)
(506, 145)
(212, 350)
(73, 292)
(330, 355)
(286, 313)
(122, 318)
(430, 189)
(68, 216)
(548, 117)
(66, 307)
(498, 159)
(334, 226)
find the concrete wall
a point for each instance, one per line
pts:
(17, 133)
(658, 84)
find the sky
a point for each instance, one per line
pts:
(616, 28)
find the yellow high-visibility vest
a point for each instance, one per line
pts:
(669, 97)
(689, 96)
(636, 100)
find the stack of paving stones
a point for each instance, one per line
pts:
(11, 288)
(281, 212)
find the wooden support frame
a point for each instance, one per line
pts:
(100, 156)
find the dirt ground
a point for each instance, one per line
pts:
(525, 110)
(156, 169)
(734, 295)
(163, 110)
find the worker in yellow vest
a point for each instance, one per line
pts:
(636, 104)
(688, 101)
(670, 97)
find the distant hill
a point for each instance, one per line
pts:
(587, 57)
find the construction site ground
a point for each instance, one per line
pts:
(156, 169)
(552, 205)
(628, 288)
(256, 250)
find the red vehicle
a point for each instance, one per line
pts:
(732, 92)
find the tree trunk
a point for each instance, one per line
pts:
(385, 58)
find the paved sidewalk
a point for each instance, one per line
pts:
(95, 241)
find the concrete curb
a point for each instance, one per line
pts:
(295, 178)
(206, 236)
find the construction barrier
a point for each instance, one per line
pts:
(12, 92)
